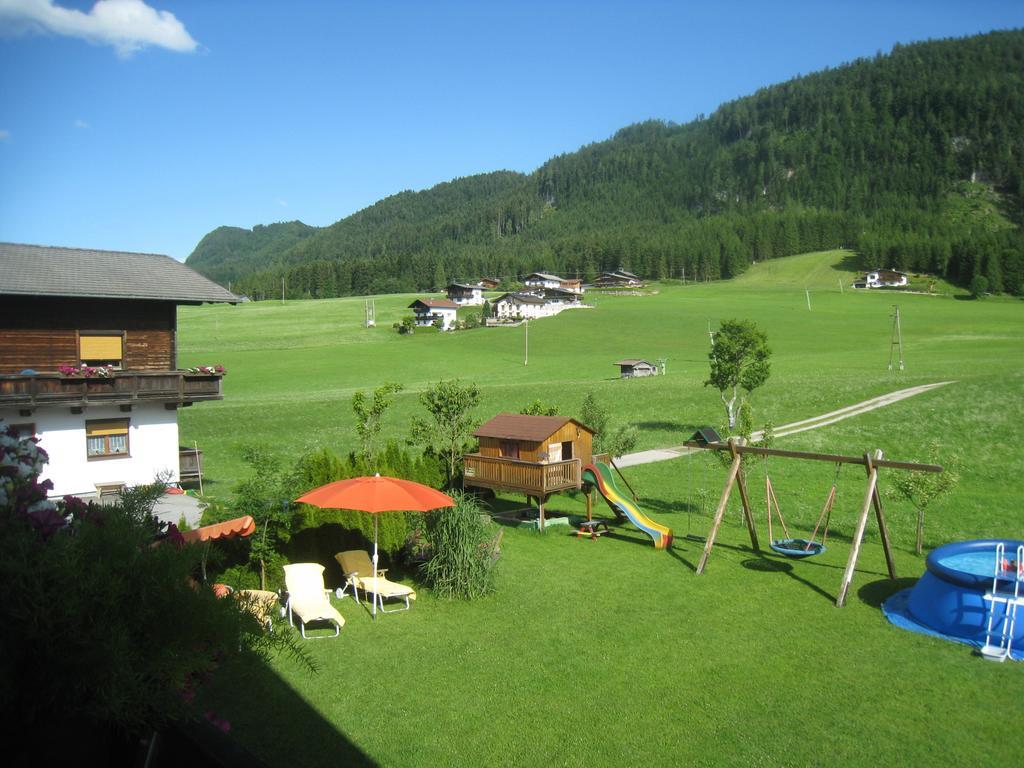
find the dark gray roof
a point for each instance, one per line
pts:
(36, 270)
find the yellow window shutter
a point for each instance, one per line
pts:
(100, 347)
(101, 428)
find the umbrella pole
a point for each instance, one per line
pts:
(375, 571)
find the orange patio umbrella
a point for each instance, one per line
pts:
(240, 526)
(375, 495)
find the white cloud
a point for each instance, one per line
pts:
(283, 203)
(127, 25)
(80, 124)
(4, 134)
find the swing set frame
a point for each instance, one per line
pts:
(871, 462)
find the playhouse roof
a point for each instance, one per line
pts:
(517, 426)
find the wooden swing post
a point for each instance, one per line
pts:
(872, 499)
(735, 473)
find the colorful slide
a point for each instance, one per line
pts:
(600, 476)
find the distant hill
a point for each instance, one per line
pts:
(228, 253)
(915, 159)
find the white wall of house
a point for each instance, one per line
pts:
(152, 446)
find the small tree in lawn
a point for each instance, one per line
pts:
(739, 363)
(606, 440)
(265, 496)
(369, 414)
(538, 408)
(922, 488)
(448, 404)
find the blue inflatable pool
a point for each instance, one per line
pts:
(948, 600)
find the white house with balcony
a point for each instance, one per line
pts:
(522, 306)
(466, 295)
(88, 362)
(429, 311)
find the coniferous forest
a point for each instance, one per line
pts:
(915, 159)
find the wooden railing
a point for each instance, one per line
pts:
(523, 476)
(122, 388)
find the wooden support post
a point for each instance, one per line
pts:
(884, 533)
(590, 503)
(722, 503)
(748, 513)
(862, 522)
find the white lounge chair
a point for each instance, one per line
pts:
(308, 599)
(358, 569)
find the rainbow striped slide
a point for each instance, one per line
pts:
(600, 476)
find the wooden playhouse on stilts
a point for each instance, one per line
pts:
(533, 455)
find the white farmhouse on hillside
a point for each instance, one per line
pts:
(466, 295)
(428, 311)
(523, 306)
(882, 278)
(88, 361)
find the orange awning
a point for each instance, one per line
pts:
(240, 526)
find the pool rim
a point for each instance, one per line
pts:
(963, 578)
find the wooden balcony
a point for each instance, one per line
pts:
(173, 388)
(527, 477)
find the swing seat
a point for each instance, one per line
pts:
(797, 548)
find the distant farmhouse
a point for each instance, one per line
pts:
(428, 311)
(620, 278)
(466, 295)
(881, 278)
(631, 369)
(543, 280)
(544, 302)
(489, 283)
(88, 362)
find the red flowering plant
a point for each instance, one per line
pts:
(100, 627)
(87, 371)
(208, 370)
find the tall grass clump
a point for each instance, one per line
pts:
(463, 554)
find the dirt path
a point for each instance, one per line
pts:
(664, 454)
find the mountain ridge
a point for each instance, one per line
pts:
(867, 155)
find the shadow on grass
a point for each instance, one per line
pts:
(766, 565)
(270, 718)
(874, 593)
(668, 425)
(851, 262)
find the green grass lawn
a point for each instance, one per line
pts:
(609, 652)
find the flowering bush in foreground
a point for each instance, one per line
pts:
(104, 629)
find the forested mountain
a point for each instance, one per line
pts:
(915, 158)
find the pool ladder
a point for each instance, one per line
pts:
(1000, 649)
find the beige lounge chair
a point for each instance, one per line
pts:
(358, 570)
(307, 597)
(260, 603)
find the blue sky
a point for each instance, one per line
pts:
(125, 128)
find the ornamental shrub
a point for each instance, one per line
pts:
(104, 629)
(460, 540)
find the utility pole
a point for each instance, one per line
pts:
(526, 323)
(896, 340)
